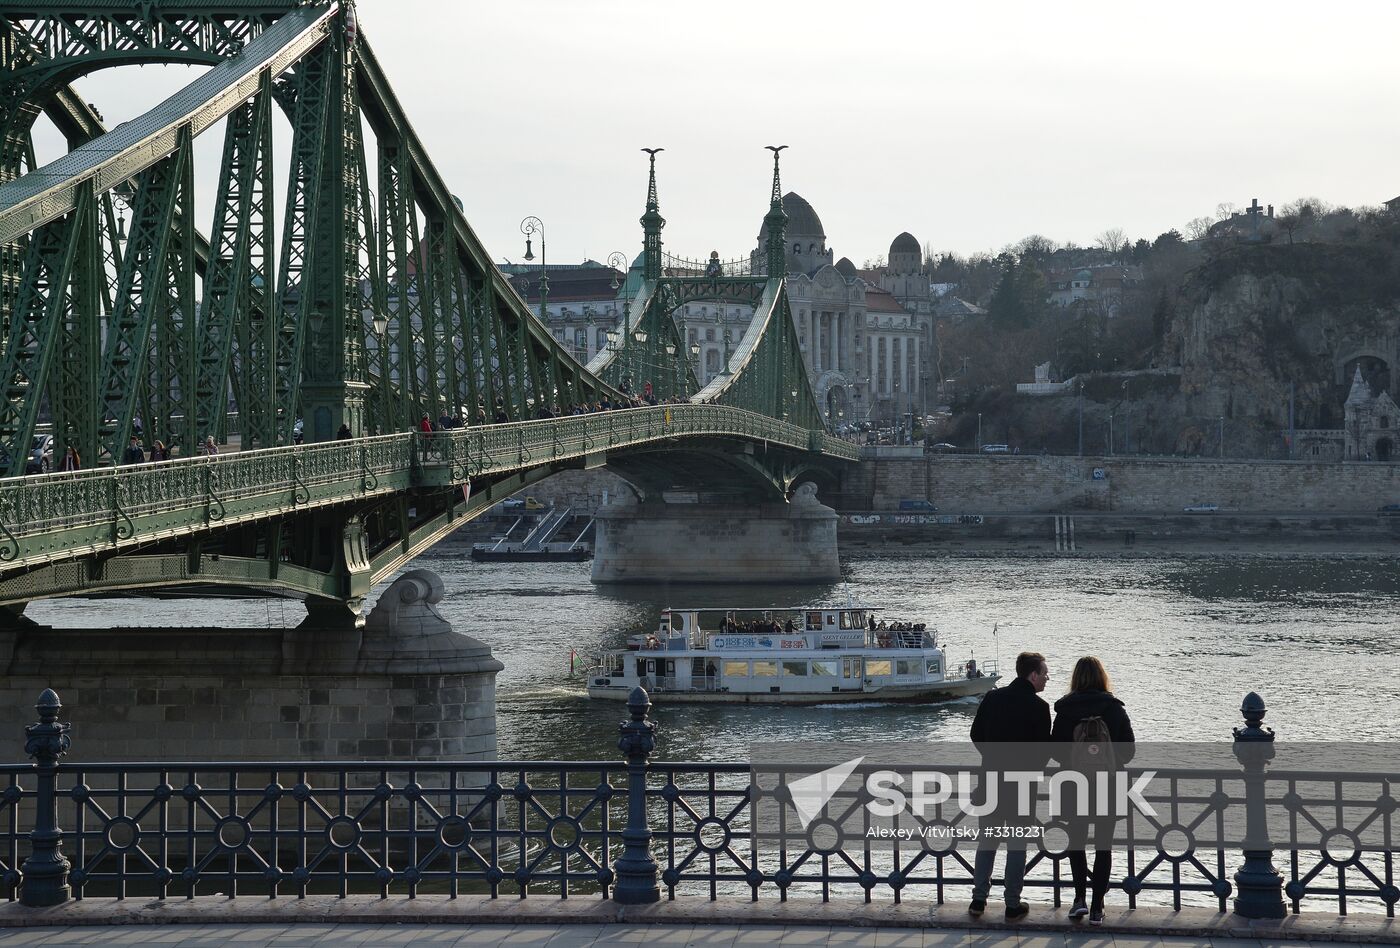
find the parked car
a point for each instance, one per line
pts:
(1202, 508)
(522, 503)
(996, 449)
(1390, 508)
(40, 455)
(943, 446)
(918, 506)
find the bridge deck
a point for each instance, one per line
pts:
(63, 515)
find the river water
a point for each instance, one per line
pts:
(1184, 639)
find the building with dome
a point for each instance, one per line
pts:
(866, 338)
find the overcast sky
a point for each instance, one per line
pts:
(971, 125)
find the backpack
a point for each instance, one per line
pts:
(1093, 746)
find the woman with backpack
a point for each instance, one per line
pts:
(1094, 728)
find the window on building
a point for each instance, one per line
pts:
(709, 335)
(796, 248)
(601, 339)
(1385, 421)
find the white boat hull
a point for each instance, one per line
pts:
(922, 692)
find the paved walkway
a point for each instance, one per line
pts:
(545, 922)
(582, 936)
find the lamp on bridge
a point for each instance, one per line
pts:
(529, 227)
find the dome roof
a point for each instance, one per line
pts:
(905, 243)
(846, 268)
(802, 220)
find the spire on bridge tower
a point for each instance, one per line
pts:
(776, 222)
(652, 222)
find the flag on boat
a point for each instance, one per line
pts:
(573, 653)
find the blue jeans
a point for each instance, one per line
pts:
(1014, 877)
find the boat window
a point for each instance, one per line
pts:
(665, 622)
(877, 666)
(903, 667)
(828, 668)
(765, 669)
(814, 621)
(850, 668)
(798, 669)
(933, 667)
(845, 620)
(736, 669)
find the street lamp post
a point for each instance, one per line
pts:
(618, 261)
(529, 227)
(1222, 436)
(1081, 418)
(1110, 434)
(1127, 427)
(979, 431)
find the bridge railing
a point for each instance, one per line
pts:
(61, 514)
(472, 451)
(630, 830)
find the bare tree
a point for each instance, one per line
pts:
(1198, 227)
(1112, 240)
(1224, 209)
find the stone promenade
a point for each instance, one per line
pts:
(363, 921)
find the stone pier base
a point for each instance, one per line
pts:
(708, 543)
(405, 686)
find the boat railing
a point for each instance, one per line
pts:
(903, 638)
(960, 669)
(673, 683)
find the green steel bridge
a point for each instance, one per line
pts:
(376, 304)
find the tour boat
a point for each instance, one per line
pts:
(812, 655)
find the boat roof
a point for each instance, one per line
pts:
(773, 609)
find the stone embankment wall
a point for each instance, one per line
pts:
(1046, 484)
(405, 686)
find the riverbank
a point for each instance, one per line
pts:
(1129, 535)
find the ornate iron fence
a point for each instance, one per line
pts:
(631, 830)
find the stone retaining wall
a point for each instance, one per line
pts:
(406, 686)
(1030, 484)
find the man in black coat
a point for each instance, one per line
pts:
(1016, 714)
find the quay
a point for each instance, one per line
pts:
(367, 922)
(609, 852)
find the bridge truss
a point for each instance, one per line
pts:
(372, 305)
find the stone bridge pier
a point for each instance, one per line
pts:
(406, 685)
(699, 542)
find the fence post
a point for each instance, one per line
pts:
(1258, 885)
(45, 870)
(637, 873)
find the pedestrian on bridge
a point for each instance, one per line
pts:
(159, 452)
(425, 424)
(209, 447)
(71, 461)
(133, 453)
(344, 433)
